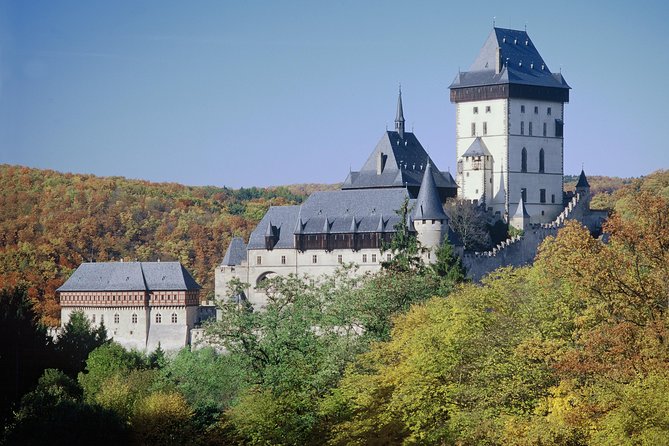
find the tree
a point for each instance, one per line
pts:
(104, 362)
(54, 414)
(163, 418)
(404, 246)
(25, 350)
(469, 222)
(76, 341)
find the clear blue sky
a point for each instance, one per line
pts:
(249, 93)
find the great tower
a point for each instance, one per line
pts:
(509, 128)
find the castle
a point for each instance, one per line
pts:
(510, 151)
(142, 304)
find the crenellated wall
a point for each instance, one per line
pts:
(521, 250)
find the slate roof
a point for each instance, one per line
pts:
(130, 276)
(521, 210)
(477, 148)
(582, 180)
(428, 205)
(520, 61)
(342, 211)
(405, 162)
(236, 252)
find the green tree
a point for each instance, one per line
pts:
(404, 247)
(77, 340)
(104, 362)
(54, 414)
(163, 419)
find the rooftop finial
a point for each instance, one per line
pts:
(493, 21)
(399, 118)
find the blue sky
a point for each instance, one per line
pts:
(250, 93)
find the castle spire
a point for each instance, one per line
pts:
(399, 118)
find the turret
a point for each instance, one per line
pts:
(429, 218)
(583, 189)
(521, 218)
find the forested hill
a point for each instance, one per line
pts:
(50, 222)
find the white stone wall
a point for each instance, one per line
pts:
(137, 335)
(298, 263)
(429, 233)
(505, 142)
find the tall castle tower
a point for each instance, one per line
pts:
(509, 128)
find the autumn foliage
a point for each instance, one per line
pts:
(51, 222)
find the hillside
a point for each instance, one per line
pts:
(50, 222)
(601, 187)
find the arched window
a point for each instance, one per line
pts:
(523, 160)
(174, 318)
(116, 318)
(541, 161)
(134, 318)
(159, 318)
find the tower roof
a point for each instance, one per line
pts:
(509, 56)
(477, 148)
(582, 180)
(521, 211)
(236, 252)
(428, 205)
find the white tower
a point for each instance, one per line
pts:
(509, 128)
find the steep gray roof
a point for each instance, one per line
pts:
(518, 58)
(521, 210)
(284, 219)
(130, 276)
(236, 252)
(404, 161)
(582, 180)
(428, 205)
(477, 148)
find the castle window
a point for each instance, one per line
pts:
(529, 129)
(536, 110)
(159, 318)
(476, 110)
(473, 129)
(116, 318)
(542, 195)
(102, 318)
(541, 161)
(523, 194)
(174, 318)
(545, 129)
(314, 259)
(283, 260)
(93, 318)
(259, 260)
(548, 111)
(522, 109)
(523, 160)
(134, 318)
(364, 258)
(553, 198)
(388, 257)
(373, 258)
(487, 109)
(559, 128)
(485, 128)
(522, 127)
(340, 259)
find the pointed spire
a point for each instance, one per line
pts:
(582, 180)
(428, 204)
(399, 118)
(382, 225)
(521, 210)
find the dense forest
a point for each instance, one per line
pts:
(573, 350)
(50, 222)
